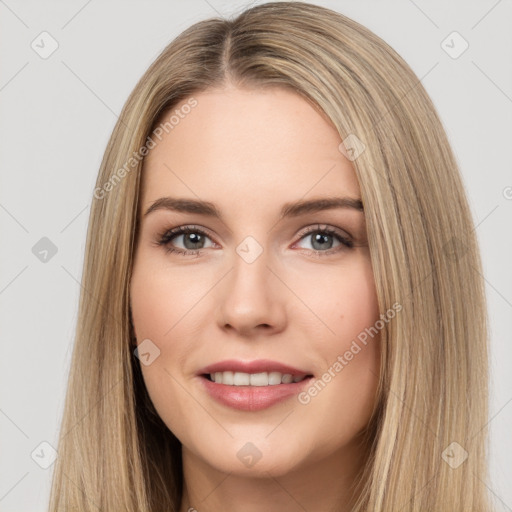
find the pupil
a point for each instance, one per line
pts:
(320, 238)
(195, 239)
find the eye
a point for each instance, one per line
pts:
(324, 239)
(193, 238)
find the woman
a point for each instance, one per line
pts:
(282, 307)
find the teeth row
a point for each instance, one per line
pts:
(253, 379)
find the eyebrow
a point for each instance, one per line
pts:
(293, 209)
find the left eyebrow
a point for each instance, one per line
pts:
(293, 209)
(316, 205)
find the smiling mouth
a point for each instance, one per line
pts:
(261, 379)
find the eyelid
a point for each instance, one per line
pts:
(169, 233)
(186, 227)
(345, 239)
(325, 228)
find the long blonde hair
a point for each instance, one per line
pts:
(115, 453)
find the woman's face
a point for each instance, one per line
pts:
(263, 291)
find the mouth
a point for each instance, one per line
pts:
(254, 385)
(261, 379)
(252, 391)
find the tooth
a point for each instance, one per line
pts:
(274, 378)
(287, 378)
(241, 379)
(230, 378)
(227, 378)
(259, 379)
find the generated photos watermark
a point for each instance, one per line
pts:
(171, 122)
(344, 359)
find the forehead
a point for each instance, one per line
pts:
(247, 142)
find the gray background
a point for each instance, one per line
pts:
(57, 114)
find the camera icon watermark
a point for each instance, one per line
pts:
(352, 147)
(146, 352)
(454, 45)
(44, 250)
(44, 45)
(249, 249)
(454, 455)
(249, 454)
(44, 455)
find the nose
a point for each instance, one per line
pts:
(252, 299)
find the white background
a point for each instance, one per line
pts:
(57, 114)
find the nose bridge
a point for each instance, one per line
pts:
(250, 267)
(249, 295)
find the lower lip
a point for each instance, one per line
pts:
(252, 398)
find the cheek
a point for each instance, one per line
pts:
(345, 302)
(159, 302)
(342, 298)
(160, 298)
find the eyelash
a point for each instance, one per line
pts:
(167, 236)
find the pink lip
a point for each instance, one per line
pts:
(252, 398)
(257, 366)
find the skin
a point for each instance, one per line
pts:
(249, 152)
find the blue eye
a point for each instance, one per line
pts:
(194, 239)
(322, 240)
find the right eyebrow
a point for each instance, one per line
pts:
(185, 206)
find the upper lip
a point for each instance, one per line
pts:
(256, 366)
